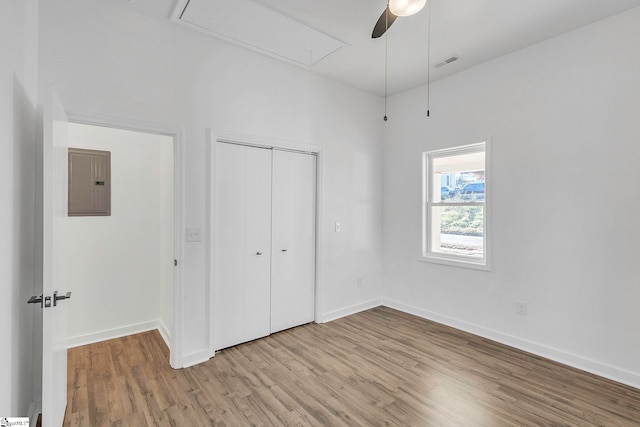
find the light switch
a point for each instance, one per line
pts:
(193, 235)
(338, 227)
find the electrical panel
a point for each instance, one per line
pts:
(89, 182)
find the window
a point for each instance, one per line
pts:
(454, 211)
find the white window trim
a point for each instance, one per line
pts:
(425, 213)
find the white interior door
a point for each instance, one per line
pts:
(242, 244)
(54, 313)
(293, 228)
(257, 242)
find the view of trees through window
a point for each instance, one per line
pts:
(462, 227)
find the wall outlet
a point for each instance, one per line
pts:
(521, 308)
(360, 282)
(338, 227)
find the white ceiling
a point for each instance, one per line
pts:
(474, 30)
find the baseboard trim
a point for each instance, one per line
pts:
(110, 334)
(597, 368)
(195, 358)
(164, 333)
(35, 409)
(347, 311)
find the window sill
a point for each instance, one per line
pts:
(456, 262)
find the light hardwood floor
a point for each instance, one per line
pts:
(376, 368)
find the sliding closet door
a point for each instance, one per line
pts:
(242, 244)
(293, 241)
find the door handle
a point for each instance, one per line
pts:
(284, 250)
(258, 253)
(57, 298)
(44, 302)
(35, 300)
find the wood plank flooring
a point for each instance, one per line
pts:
(376, 368)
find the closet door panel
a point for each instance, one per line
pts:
(293, 241)
(257, 243)
(229, 245)
(242, 231)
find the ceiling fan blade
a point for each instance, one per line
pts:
(384, 22)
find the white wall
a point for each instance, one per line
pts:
(563, 120)
(121, 266)
(104, 60)
(348, 124)
(18, 87)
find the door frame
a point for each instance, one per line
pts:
(177, 133)
(221, 136)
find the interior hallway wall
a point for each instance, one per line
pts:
(18, 97)
(121, 266)
(105, 60)
(562, 116)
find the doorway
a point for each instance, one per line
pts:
(123, 267)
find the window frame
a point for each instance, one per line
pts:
(426, 253)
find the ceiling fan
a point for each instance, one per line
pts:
(394, 9)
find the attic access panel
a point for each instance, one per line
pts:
(257, 27)
(89, 182)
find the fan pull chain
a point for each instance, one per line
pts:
(386, 57)
(428, 54)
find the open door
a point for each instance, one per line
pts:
(54, 262)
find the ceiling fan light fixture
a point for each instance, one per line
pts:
(406, 7)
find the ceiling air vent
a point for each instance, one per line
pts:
(447, 61)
